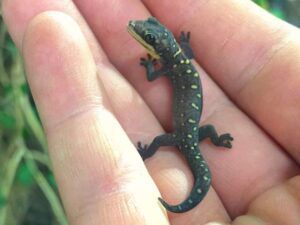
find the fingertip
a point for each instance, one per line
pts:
(52, 24)
(56, 54)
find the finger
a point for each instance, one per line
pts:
(227, 118)
(98, 171)
(253, 57)
(268, 207)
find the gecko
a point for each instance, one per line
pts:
(175, 64)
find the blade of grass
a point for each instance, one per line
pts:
(39, 157)
(47, 190)
(8, 181)
(23, 103)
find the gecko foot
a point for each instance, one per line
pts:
(142, 149)
(185, 37)
(184, 40)
(225, 140)
(149, 61)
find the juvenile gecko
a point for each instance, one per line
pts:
(187, 104)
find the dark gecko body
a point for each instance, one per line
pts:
(187, 104)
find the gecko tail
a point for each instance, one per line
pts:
(200, 188)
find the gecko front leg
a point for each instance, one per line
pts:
(149, 63)
(184, 42)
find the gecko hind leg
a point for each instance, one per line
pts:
(209, 131)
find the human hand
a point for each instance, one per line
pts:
(87, 108)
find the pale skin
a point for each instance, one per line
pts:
(88, 88)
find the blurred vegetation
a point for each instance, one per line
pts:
(28, 193)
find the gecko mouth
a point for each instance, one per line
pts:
(136, 36)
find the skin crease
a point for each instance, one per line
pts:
(84, 93)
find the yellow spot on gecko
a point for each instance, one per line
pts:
(181, 61)
(193, 86)
(196, 75)
(191, 121)
(195, 106)
(187, 61)
(199, 95)
(188, 71)
(189, 136)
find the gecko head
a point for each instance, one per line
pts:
(156, 39)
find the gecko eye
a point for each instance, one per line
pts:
(150, 38)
